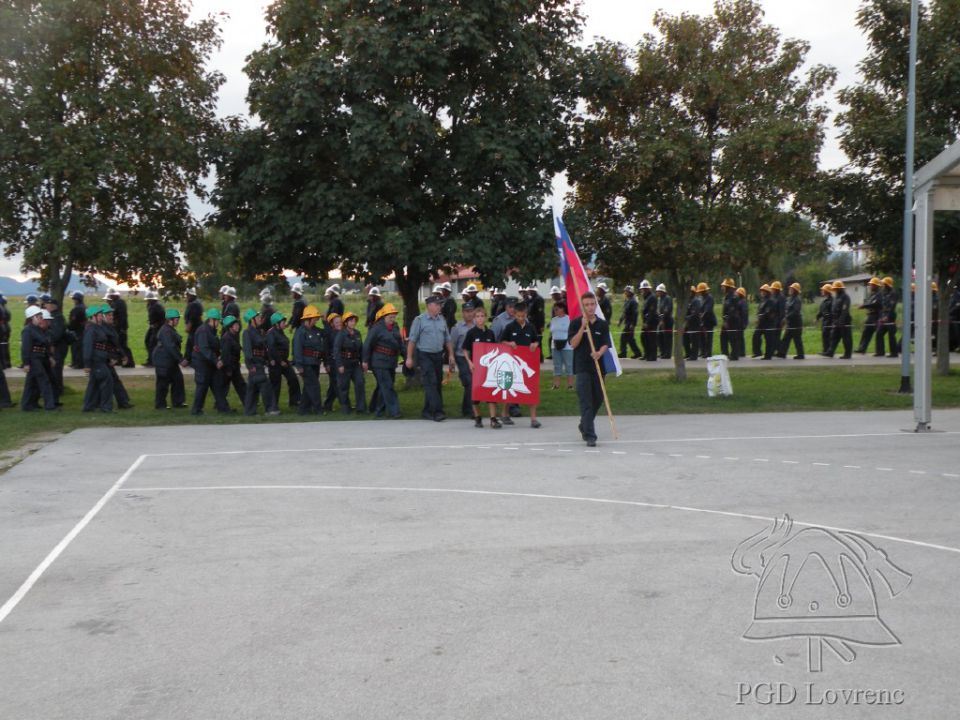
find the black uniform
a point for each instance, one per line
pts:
(121, 325)
(651, 320)
(116, 358)
(166, 358)
(887, 325)
(606, 306)
(708, 323)
(692, 328)
(230, 307)
(333, 392)
(744, 308)
(825, 316)
(307, 355)
(537, 314)
(794, 321)
(335, 307)
(4, 335)
(731, 331)
(258, 382)
(156, 318)
(96, 357)
(278, 353)
(296, 313)
(75, 324)
(589, 390)
(873, 305)
(348, 354)
(497, 305)
(35, 356)
(665, 326)
(629, 317)
(192, 320)
(842, 330)
(266, 312)
(372, 309)
(204, 358)
(230, 356)
(449, 311)
(766, 336)
(60, 342)
(380, 351)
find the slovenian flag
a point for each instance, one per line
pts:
(575, 277)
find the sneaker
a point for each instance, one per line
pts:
(535, 424)
(273, 413)
(478, 422)
(495, 423)
(507, 420)
(591, 443)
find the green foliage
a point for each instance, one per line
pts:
(212, 263)
(863, 203)
(696, 146)
(105, 115)
(403, 138)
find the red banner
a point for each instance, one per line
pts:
(505, 374)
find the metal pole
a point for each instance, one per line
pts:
(908, 199)
(922, 387)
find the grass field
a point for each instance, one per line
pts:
(635, 393)
(357, 304)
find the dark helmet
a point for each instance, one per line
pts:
(31, 299)
(77, 295)
(45, 298)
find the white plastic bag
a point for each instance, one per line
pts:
(718, 376)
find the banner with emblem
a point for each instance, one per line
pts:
(506, 374)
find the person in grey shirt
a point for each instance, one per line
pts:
(457, 336)
(429, 337)
(501, 321)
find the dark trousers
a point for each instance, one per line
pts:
(57, 372)
(169, 380)
(706, 342)
(352, 373)
(188, 349)
(332, 392)
(258, 386)
(691, 342)
(888, 332)
(5, 400)
(590, 397)
(125, 352)
(150, 342)
(826, 339)
(771, 342)
(234, 377)
(730, 339)
(208, 377)
(665, 340)
(794, 334)
(648, 338)
(277, 374)
(310, 403)
(842, 333)
(5, 353)
(38, 386)
(119, 391)
(869, 328)
(466, 379)
(388, 393)
(99, 393)
(628, 341)
(431, 373)
(757, 341)
(76, 352)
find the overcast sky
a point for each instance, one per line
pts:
(828, 25)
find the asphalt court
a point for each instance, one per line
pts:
(421, 570)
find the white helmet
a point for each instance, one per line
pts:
(297, 289)
(603, 286)
(45, 314)
(231, 293)
(447, 286)
(436, 289)
(223, 289)
(266, 291)
(374, 291)
(32, 311)
(191, 291)
(464, 292)
(629, 289)
(108, 295)
(471, 288)
(266, 298)
(661, 288)
(645, 285)
(152, 295)
(554, 290)
(333, 290)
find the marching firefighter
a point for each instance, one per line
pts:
(168, 360)
(278, 353)
(380, 353)
(255, 357)
(308, 342)
(230, 355)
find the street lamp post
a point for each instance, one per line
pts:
(908, 200)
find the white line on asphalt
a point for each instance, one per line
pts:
(592, 451)
(617, 452)
(822, 464)
(538, 496)
(646, 454)
(853, 467)
(761, 460)
(511, 448)
(790, 462)
(918, 472)
(885, 469)
(951, 475)
(676, 455)
(731, 458)
(564, 450)
(21, 592)
(703, 457)
(658, 441)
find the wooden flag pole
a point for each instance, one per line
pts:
(596, 362)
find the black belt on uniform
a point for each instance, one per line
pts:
(384, 350)
(39, 349)
(349, 355)
(311, 353)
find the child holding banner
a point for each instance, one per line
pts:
(480, 333)
(521, 333)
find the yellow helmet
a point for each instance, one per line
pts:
(838, 285)
(742, 292)
(332, 316)
(728, 283)
(349, 316)
(934, 286)
(764, 288)
(310, 312)
(703, 287)
(888, 281)
(827, 287)
(875, 281)
(775, 285)
(387, 309)
(795, 286)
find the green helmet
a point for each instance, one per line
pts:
(106, 309)
(277, 318)
(249, 315)
(172, 314)
(91, 311)
(229, 320)
(213, 314)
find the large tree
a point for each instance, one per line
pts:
(863, 202)
(402, 138)
(695, 147)
(106, 112)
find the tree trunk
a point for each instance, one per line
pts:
(943, 323)
(408, 284)
(679, 317)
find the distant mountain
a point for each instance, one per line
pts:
(12, 288)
